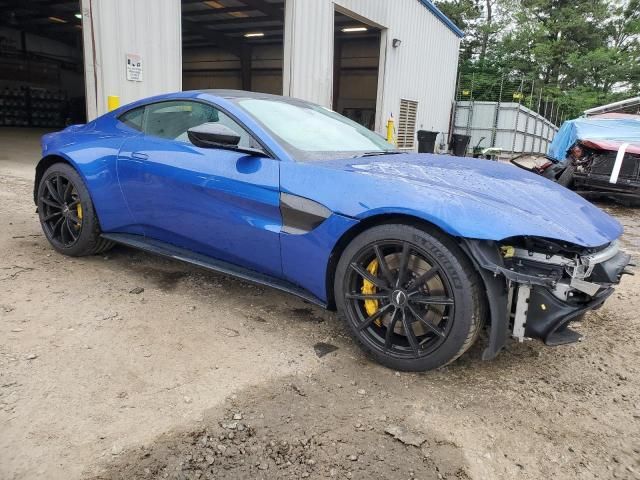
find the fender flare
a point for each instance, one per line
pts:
(45, 162)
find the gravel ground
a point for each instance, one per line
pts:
(130, 366)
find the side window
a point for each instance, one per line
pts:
(133, 118)
(171, 120)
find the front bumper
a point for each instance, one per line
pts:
(524, 302)
(548, 317)
(598, 187)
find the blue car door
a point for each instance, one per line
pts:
(218, 202)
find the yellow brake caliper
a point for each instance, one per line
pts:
(368, 288)
(79, 210)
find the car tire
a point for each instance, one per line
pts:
(566, 177)
(66, 213)
(439, 270)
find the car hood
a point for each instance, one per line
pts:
(469, 197)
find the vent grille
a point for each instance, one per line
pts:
(407, 123)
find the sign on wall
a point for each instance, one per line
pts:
(134, 67)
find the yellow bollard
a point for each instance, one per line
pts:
(390, 130)
(113, 102)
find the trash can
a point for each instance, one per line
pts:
(459, 144)
(426, 141)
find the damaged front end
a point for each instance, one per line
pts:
(536, 287)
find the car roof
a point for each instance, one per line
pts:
(228, 93)
(212, 94)
(235, 94)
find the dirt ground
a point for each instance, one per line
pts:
(203, 376)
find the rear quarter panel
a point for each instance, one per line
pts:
(92, 150)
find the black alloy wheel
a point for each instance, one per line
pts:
(66, 212)
(61, 210)
(410, 298)
(413, 301)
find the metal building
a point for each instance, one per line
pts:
(368, 59)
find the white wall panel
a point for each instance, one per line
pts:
(423, 68)
(308, 50)
(149, 28)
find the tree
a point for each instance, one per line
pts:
(581, 52)
(466, 14)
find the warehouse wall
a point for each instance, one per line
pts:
(423, 68)
(114, 28)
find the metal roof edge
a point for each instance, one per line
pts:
(442, 17)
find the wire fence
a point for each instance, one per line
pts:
(510, 113)
(508, 87)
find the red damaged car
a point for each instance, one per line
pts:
(598, 157)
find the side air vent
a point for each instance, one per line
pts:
(301, 215)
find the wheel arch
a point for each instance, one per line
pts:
(42, 166)
(358, 228)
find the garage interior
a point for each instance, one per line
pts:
(233, 44)
(41, 64)
(239, 45)
(355, 69)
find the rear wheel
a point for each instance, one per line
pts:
(410, 298)
(66, 213)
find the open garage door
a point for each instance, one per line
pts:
(41, 65)
(356, 69)
(236, 44)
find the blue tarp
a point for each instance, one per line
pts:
(612, 129)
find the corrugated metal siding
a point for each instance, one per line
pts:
(422, 69)
(149, 28)
(308, 50)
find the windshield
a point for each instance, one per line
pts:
(311, 132)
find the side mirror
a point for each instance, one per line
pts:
(213, 135)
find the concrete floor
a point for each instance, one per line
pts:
(91, 374)
(20, 150)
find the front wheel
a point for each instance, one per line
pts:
(411, 298)
(566, 177)
(66, 213)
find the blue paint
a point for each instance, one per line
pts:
(465, 197)
(220, 203)
(225, 204)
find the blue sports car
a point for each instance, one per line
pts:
(417, 252)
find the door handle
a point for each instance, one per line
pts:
(139, 156)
